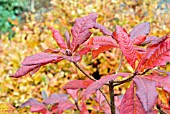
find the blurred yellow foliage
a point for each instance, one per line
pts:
(34, 36)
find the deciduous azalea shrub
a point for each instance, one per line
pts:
(149, 87)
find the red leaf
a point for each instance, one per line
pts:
(130, 103)
(156, 55)
(56, 98)
(139, 39)
(85, 50)
(23, 70)
(125, 45)
(35, 106)
(149, 39)
(67, 39)
(103, 29)
(84, 109)
(72, 58)
(99, 83)
(152, 40)
(99, 97)
(57, 37)
(80, 30)
(146, 91)
(141, 29)
(161, 81)
(40, 59)
(73, 93)
(77, 84)
(104, 43)
(64, 106)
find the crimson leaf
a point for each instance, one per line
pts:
(146, 91)
(77, 84)
(139, 39)
(130, 103)
(57, 37)
(125, 45)
(80, 30)
(23, 70)
(40, 58)
(103, 42)
(141, 29)
(99, 83)
(156, 56)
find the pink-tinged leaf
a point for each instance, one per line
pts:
(67, 39)
(146, 91)
(84, 50)
(35, 70)
(130, 103)
(23, 70)
(35, 106)
(152, 40)
(80, 30)
(141, 29)
(72, 58)
(40, 59)
(104, 43)
(73, 93)
(51, 50)
(64, 106)
(140, 52)
(161, 81)
(126, 45)
(149, 39)
(77, 84)
(56, 98)
(139, 39)
(84, 109)
(156, 56)
(57, 37)
(99, 97)
(99, 83)
(103, 29)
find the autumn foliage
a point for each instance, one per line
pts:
(144, 53)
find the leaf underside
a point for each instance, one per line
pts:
(130, 103)
(146, 91)
(141, 29)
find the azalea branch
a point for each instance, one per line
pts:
(83, 71)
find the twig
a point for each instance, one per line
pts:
(104, 97)
(91, 79)
(130, 78)
(83, 71)
(76, 103)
